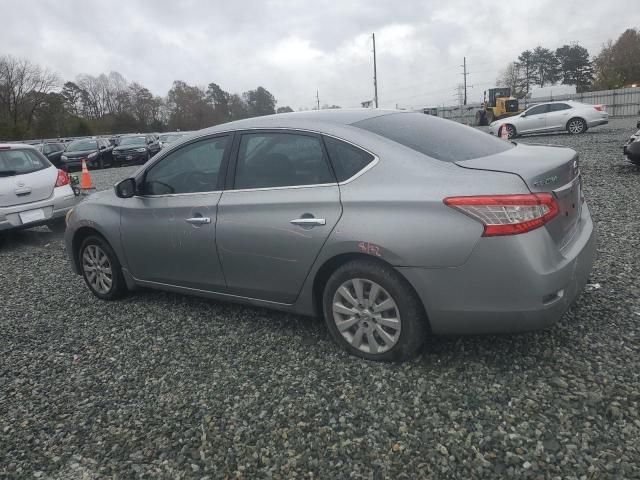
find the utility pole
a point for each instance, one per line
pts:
(464, 74)
(375, 73)
(318, 98)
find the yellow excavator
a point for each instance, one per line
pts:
(500, 104)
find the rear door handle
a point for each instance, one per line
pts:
(308, 222)
(198, 220)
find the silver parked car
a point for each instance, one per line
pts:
(389, 224)
(570, 116)
(32, 191)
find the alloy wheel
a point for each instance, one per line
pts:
(97, 269)
(366, 316)
(576, 126)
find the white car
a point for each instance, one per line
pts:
(574, 117)
(32, 191)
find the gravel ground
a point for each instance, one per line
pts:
(162, 385)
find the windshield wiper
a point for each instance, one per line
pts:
(7, 173)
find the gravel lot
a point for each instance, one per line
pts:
(162, 385)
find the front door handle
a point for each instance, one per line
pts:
(198, 220)
(309, 222)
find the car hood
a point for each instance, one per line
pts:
(79, 153)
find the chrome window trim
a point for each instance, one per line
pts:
(178, 194)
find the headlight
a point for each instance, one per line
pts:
(141, 149)
(64, 157)
(92, 155)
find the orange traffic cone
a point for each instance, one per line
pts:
(85, 179)
(504, 132)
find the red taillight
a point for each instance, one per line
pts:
(507, 214)
(599, 108)
(63, 179)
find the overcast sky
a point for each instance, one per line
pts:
(294, 48)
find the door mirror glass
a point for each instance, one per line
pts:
(126, 188)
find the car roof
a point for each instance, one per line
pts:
(293, 119)
(15, 146)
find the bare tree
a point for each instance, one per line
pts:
(24, 87)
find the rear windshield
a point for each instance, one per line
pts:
(20, 161)
(436, 137)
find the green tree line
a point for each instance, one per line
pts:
(35, 103)
(616, 66)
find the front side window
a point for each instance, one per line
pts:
(193, 168)
(268, 160)
(346, 159)
(19, 162)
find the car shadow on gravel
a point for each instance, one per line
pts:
(33, 237)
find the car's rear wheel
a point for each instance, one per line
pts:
(372, 312)
(101, 269)
(576, 126)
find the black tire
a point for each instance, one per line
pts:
(58, 225)
(489, 117)
(413, 322)
(100, 163)
(118, 286)
(576, 126)
(481, 119)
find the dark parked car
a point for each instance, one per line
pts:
(135, 149)
(53, 151)
(631, 149)
(96, 151)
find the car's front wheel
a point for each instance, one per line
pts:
(372, 312)
(101, 269)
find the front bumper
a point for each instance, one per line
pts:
(54, 207)
(132, 157)
(509, 284)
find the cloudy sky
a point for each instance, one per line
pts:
(294, 48)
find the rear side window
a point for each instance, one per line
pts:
(21, 161)
(556, 107)
(270, 160)
(346, 159)
(441, 139)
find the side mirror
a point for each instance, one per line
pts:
(126, 188)
(150, 142)
(102, 147)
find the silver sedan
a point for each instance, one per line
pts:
(32, 191)
(388, 224)
(570, 116)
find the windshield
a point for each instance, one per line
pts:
(18, 162)
(81, 145)
(441, 139)
(132, 141)
(169, 138)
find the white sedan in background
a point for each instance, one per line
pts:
(32, 191)
(574, 117)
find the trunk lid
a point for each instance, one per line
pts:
(543, 169)
(28, 187)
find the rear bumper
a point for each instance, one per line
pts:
(54, 207)
(509, 284)
(595, 123)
